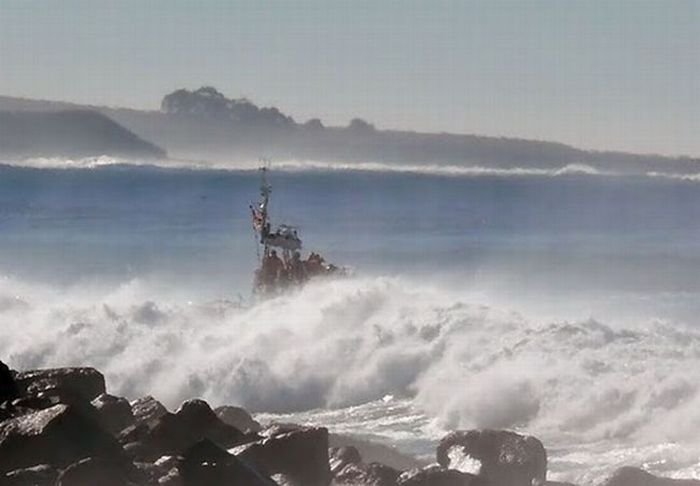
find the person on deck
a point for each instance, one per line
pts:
(297, 270)
(272, 270)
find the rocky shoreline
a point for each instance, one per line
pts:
(60, 427)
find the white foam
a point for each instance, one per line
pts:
(582, 387)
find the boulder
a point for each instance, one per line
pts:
(373, 452)
(57, 436)
(8, 387)
(632, 476)
(504, 458)
(301, 455)
(86, 383)
(41, 475)
(438, 476)
(339, 457)
(93, 471)
(173, 433)
(373, 474)
(147, 409)
(207, 464)
(238, 417)
(114, 413)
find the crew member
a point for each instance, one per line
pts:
(272, 269)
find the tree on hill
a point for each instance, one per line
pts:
(207, 102)
(360, 126)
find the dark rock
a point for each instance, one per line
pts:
(172, 478)
(147, 409)
(438, 476)
(114, 413)
(87, 383)
(301, 455)
(238, 417)
(506, 458)
(372, 452)
(279, 429)
(632, 476)
(41, 475)
(373, 474)
(207, 464)
(58, 436)
(93, 472)
(8, 386)
(134, 433)
(339, 457)
(172, 434)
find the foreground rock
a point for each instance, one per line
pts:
(8, 386)
(632, 476)
(86, 383)
(147, 409)
(300, 455)
(439, 476)
(373, 452)
(339, 457)
(504, 458)
(372, 474)
(41, 475)
(94, 472)
(173, 433)
(114, 413)
(57, 436)
(207, 464)
(239, 418)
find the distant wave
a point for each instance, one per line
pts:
(335, 166)
(97, 162)
(296, 165)
(438, 169)
(680, 177)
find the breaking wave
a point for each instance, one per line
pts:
(349, 342)
(439, 360)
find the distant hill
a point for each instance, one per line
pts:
(72, 133)
(205, 125)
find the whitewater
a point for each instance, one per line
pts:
(563, 307)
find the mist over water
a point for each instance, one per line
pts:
(561, 306)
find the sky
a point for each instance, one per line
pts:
(607, 74)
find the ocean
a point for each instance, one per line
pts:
(561, 304)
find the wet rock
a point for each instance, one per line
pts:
(504, 458)
(114, 413)
(86, 383)
(172, 434)
(438, 476)
(207, 464)
(372, 452)
(41, 475)
(339, 457)
(238, 417)
(172, 478)
(301, 455)
(57, 436)
(632, 476)
(8, 386)
(147, 409)
(92, 472)
(373, 474)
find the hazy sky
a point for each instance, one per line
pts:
(600, 74)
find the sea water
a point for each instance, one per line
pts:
(561, 304)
